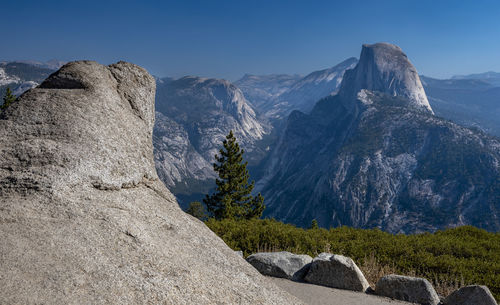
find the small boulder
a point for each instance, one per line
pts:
(336, 271)
(281, 264)
(406, 288)
(240, 253)
(471, 295)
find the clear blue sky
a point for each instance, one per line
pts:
(226, 39)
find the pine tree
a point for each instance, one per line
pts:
(314, 224)
(232, 198)
(197, 210)
(8, 99)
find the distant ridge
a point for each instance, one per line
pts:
(275, 96)
(490, 77)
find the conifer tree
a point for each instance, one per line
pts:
(197, 210)
(232, 197)
(8, 99)
(314, 224)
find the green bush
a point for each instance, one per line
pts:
(466, 253)
(8, 99)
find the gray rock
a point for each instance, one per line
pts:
(383, 67)
(176, 159)
(406, 288)
(471, 295)
(336, 271)
(84, 218)
(240, 253)
(281, 264)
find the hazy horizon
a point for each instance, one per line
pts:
(227, 39)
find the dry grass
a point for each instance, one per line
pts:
(446, 285)
(270, 248)
(273, 248)
(374, 270)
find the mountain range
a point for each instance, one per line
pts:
(493, 78)
(20, 76)
(263, 90)
(290, 93)
(470, 102)
(375, 155)
(364, 143)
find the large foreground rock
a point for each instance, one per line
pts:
(83, 216)
(406, 288)
(471, 295)
(336, 271)
(281, 264)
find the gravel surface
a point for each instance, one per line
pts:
(320, 295)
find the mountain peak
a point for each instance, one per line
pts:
(347, 62)
(385, 46)
(385, 68)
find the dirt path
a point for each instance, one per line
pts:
(319, 295)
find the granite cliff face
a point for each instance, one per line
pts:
(178, 162)
(385, 68)
(263, 90)
(194, 116)
(83, 215)
(374, 155)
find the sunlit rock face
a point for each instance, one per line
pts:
(84, 218)
(385, 68)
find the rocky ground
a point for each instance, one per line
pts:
(321, 295)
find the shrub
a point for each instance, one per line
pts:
(448, 258)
